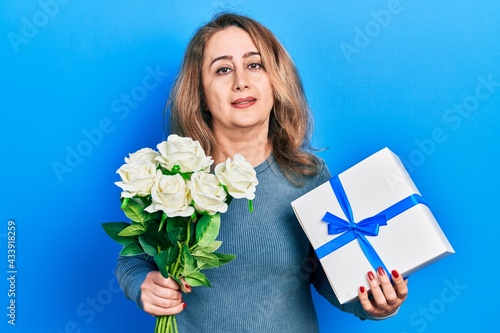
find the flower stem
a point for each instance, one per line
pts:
(124, 203)
(176, 329)
(188, 231)
(168, 324)
(174, 269)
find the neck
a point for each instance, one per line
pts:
(255, 149)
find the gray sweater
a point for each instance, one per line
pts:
(267, 287)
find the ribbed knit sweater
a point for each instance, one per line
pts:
(267, 287)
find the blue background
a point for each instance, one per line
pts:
(78, 94)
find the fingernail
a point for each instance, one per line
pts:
(371, 276)
(380, 271)
(187, 286)
(395, 273)
(361, 289)
(184, 305)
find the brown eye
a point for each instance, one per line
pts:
(223, 70)
(255, 65)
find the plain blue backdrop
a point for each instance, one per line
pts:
(83, 83)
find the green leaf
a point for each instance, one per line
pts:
(151, 216)
(177, 229)
(131, 249)
(188, 262)
(224, 258)
(135, 211)
(132, 230)
(205, 260)
(161, 260)
(114, 228)
(163, 219)
(154, 237)
(151, 234)
(173, 253)
(165, 241)
(207, 229)
(148, 248)
(175, 235)
(186, 175)
(192, 231)
(212, 247)
(197, 279)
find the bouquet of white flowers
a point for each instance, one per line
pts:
(174, 204)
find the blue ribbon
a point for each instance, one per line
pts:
(368, 227)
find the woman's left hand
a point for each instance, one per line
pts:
(386, 297)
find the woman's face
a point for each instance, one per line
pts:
(237, 89)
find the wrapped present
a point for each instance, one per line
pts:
(369, 216)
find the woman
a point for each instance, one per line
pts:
(238, 92)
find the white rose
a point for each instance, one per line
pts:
(238, 176)
(169, 194)
(184, 152)
(137, 178)
(146, 154)
(207, 194)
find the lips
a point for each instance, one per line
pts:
(242, 103)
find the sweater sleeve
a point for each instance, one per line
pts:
(131, 273)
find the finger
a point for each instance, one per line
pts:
(164, 311)
(400, 284)
(187, 287)
(155, 286)
(164, 302)
(365, 301)
(377, 293)
(164, 282)
(166, 293)
(391, 297)
(171, 283)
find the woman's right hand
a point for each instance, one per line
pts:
(160, 296)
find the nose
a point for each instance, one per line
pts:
(241, 81)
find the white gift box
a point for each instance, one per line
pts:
(408, 242)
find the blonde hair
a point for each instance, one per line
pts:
(290, 124)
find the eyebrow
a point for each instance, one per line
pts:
(227, 57)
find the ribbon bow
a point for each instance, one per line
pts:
(351, 230)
